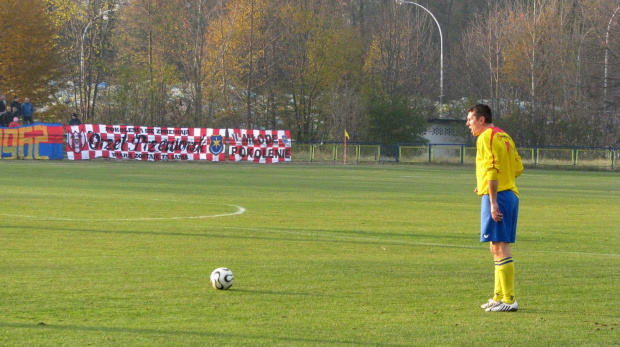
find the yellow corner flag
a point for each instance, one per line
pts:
(346, 134)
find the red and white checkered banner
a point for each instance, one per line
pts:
(259, 146)
(90, 141)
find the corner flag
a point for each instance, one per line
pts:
(346, 137)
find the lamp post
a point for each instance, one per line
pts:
(607, 58)
(82, 74)
(400, 2)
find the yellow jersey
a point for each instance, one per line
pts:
(497, 160)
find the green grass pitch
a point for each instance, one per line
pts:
(107, 253)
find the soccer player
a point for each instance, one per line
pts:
(497, 166)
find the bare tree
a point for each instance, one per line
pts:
(95, 23)
(403, 53)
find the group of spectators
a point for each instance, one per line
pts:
(11, 113)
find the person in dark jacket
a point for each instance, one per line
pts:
(74, 120)
(2, 103)
(5, 118)
(16, 107)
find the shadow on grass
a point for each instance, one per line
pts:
(301, 235)
(120, 330)
(271, 292)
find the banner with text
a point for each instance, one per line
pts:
(90, 141)
(259, 146)
(36, 141)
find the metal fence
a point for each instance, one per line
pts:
(451, 153)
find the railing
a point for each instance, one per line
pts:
(451, 153)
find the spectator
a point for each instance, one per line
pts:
(74, 120)
(14, 123)
(27, 111)
(5, 118)
(2, 103)
(16, 106)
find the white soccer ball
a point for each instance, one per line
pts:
(222, 278)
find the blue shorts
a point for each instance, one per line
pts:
(506, 230)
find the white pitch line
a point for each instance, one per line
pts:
(240, 210)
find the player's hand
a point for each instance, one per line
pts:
(476, 190)
(496, 214)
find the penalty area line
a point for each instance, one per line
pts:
(239, 210)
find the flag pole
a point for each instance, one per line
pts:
(345, 146)
(346, 137)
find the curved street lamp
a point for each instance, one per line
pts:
(607, 58)
(400, 2)
(82, 74)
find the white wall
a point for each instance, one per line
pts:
(444, 133)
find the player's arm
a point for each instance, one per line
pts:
(518, 165)
(495, 212)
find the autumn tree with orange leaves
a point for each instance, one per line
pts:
(29, 58)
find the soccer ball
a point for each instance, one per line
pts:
(222, 278)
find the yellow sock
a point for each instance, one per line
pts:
(506, 272)
(497, 293)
